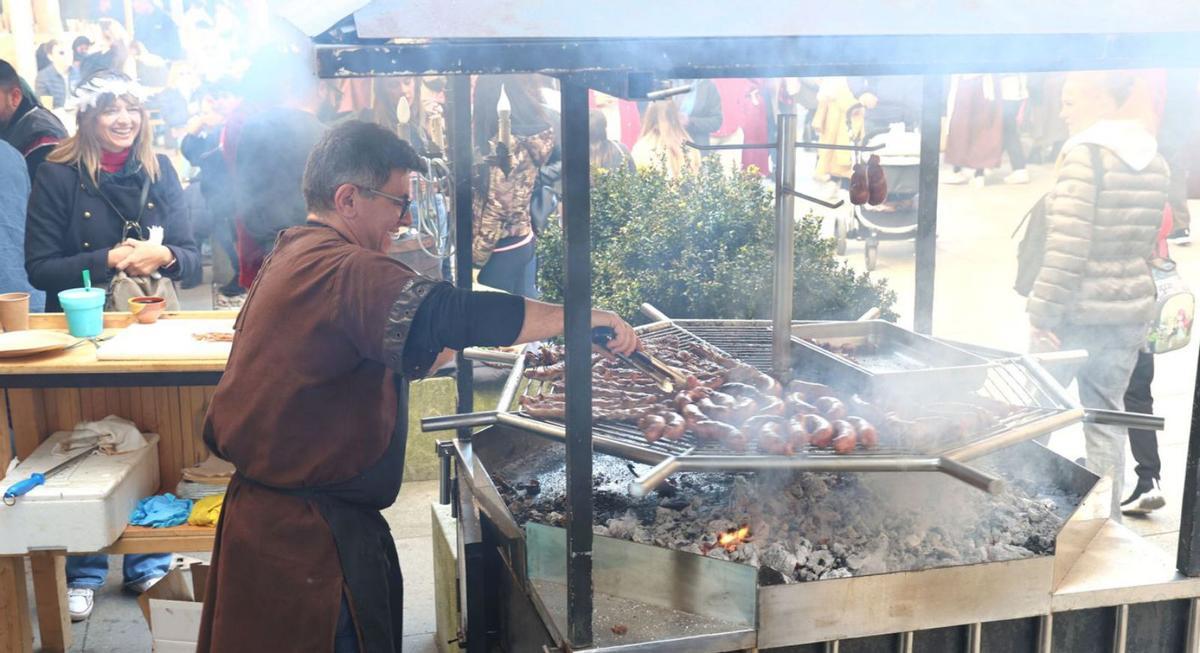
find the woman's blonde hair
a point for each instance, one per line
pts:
(84, 149)
(661, 124)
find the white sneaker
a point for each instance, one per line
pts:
(978, 181)
(955, 178)
(80, 602)
(1018, 177)
(1143, 503)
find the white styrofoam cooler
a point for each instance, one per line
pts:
(82, 509)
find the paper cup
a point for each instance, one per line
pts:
(14, 311)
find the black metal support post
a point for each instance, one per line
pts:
(1188, 556)
(445, 453)
(933, 98)
(578, 292)
(462, 157)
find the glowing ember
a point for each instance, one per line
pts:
(732, 538)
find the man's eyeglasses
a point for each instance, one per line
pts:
(402, 203)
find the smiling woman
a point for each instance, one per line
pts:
(99, 194)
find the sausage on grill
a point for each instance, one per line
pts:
(772, 439)
(692, 415)
(652, 426)
(797, 434)
(831, 407)
(868, 436)
(796, 404)
(710, 429)
(845, 438)
(819, 429)
(675, 426)
(753, 426)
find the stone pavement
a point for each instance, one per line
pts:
(973, 303)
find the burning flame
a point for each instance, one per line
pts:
(733, 538)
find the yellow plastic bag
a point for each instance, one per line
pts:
(207, 511)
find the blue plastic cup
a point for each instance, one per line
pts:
(85, 311)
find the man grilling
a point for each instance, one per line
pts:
(312, 408)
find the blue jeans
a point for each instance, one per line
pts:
(89, 571)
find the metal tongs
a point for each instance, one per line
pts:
(664, 375)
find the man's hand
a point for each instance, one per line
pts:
(144, 258)
(626, 341)
(1041, 340)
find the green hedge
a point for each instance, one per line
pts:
(701, 246)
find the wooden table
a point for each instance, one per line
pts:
(53, 392)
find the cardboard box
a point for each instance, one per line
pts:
(172, 609)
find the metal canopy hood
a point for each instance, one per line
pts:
(670, 39)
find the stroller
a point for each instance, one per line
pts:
(896, 218)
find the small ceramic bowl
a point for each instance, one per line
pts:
(146, 309)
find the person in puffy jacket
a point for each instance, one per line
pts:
(1094, 290)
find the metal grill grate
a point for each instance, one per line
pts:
(1009, 381)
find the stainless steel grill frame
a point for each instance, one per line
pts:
(1041, 406)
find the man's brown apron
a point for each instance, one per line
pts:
(366, 552)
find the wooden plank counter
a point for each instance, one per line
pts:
(53, 392)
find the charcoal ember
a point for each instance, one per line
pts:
(622, 527)
(601, 530)
(718, 553)
(678, 504)
(777, 556)
(840, 572)
(768, 575)
(747, 552)
(821, 561)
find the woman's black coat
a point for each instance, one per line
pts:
(71, 227)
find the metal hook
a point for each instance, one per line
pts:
(808, 198)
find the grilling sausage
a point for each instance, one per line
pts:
(675, 426)
(545, 372)
(796, 403)
(754, 425)
(713, 411)
(773, 441)
(797, 434)
(711, 429)
(722, 399)
(772, 406)
(742, 390)
(652, 426)
(699, 392)
(868, 436)
(820, 431)
(831, 407)
(744, 409)
(692, 416)
(845, 438)
(764, 383)
(682, 399)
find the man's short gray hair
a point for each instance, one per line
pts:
(355, 152)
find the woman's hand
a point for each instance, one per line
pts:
(144, 258)
(118, 254)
